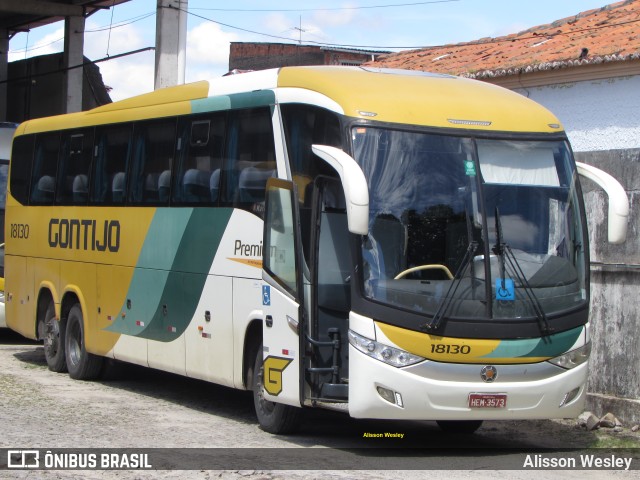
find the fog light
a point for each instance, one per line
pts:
(570, 396)
(390, 396)
(387, 394)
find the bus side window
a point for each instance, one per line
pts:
(153, 150)
(199, 159)
(21, 160)
(111, 154)
(45, 165)
(74, 168)
(250, 159)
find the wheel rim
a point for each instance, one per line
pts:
(74, 345)
(52, 337)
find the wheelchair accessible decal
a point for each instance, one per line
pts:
(266, 295)
(505, 289)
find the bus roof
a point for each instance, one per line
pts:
(396, 96)
(422, 98)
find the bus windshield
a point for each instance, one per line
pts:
(471, 228)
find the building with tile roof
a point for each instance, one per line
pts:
(546, 61)
(586, 69)
(591, 44)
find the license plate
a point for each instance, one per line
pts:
(487, 400)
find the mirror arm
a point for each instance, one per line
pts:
(618, 201)
(356, 191)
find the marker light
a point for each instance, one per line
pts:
(384, 353)
(573, 358)
(570, 396)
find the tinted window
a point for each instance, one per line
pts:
(75, 167)
(200, 149)
(112, 150)
(305, 126)
(45, 166)
(250, 159)
(22, 155)
(153, 151)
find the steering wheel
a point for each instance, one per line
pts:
(434, 266)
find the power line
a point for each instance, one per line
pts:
(232, 26)
(271, 10)
(122, 23)
(475, 42)
(26, 49)
(65, 69)
(289, 39)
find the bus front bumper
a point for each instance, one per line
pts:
(440, 391)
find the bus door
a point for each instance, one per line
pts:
(282, 295)
(331, 269)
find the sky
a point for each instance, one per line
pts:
(211, 25)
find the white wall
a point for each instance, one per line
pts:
(597, 114)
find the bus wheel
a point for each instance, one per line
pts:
(459, 426)
(273, 417)
(54, 341)
(81, 364)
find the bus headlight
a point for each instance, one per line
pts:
(573, 358)
(384, 353)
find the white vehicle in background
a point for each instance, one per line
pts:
(6, 136)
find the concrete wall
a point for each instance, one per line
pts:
(36, 87)
(602, 122)
(614, 382)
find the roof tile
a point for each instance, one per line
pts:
(607, 34)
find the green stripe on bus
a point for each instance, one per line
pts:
(549, 347)
(260, 98)
(164, 301)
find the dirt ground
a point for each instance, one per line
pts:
(138, 408)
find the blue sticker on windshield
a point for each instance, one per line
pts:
(505, 289)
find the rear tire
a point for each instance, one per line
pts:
(459, 426)
(81, 364)
(272, 417)
(54, 340)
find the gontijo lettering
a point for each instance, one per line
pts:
(84, 234)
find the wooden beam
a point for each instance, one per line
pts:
(41, 7)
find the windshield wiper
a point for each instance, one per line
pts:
(503, 251)
(436, 321)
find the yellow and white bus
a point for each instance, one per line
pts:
(6, 135)
(395, 245)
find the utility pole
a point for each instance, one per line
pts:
(171, 42)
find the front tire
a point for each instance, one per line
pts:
(54, 335)
(81, 364)
(272, 417)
